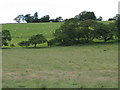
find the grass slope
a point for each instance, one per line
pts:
(85, 66)
(22, 32)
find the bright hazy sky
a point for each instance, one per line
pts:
(65, 8)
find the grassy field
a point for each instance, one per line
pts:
(85, 66)
(24, 31)
(92, 65)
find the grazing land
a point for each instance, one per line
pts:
(24, 31)
(93, 65)
(85, 66)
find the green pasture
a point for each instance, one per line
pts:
(82, 66)
(24, 31)
(94, 65)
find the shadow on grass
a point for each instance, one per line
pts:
(35, 47)
(5, 48)
(100, 43)
(113, 42)
(77, 44)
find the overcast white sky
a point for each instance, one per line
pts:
(65, 8)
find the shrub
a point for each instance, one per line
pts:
(53, 42)
(12, 45)
(24, 43)
(6, 36)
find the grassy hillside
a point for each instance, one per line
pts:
(21, 32)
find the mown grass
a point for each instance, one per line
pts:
(82, 66)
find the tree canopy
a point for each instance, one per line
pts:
(6, 36)
(37, 39)
(85, 15)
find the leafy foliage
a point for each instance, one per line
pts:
(6, 36)
(105, 31)
(37, 39)
(24, 43)
(74, 31)
(85, 15)
(45, 18)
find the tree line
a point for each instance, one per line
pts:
(34, 19)
(84, 15)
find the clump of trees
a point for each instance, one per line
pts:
(85, 15)
(74, 31)
(34, 19)
(24, 43)
(34, 40)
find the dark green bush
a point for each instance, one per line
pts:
(24, 43)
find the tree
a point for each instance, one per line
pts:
(19, 18)
(86, 30)
(29, 18)
(6, 36)
(36, 15)
(86, 15)
(45, 18)
(100, 18)
(59, 19)
(66, 34)
(24, 43)
(105, 31)
(37, 39)
(73, 31)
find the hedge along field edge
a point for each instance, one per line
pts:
(0, 57)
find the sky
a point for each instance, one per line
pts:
(55, 8)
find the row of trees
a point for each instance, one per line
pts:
(85, 15)
(34, 19)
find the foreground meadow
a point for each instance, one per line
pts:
(82, 66)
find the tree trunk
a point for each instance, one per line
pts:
(105, 39)
(35, 44)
